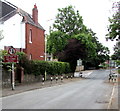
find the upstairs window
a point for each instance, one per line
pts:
(30, 36)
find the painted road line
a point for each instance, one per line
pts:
(111, 98)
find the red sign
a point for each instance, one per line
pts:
(11, 58)
(11, 51)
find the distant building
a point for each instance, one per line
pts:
(22, 31)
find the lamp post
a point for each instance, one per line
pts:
(45, 53)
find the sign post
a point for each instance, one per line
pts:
(13, 77)
(12, 58)
(79, 63)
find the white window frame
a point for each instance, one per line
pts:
(30, 36)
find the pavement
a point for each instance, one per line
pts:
(27, 87)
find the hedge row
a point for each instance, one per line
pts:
(38, 67)
(53, 68)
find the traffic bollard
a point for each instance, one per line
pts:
(43, 80)
(80, 74)
(51, 78)
(61, 78)
(71, 77)
(56, 79)
(66, 77)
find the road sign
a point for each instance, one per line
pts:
(11, 51)
(79, 62)
(11, 58)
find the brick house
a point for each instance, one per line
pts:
(22, 31)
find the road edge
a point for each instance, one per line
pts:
(111, 97)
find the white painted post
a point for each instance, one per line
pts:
(51, 79)
(13, 77)
(43, 80)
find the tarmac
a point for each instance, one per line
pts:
(113, 103)
(37, 85)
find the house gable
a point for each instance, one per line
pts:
(14, 32)
(17, 27)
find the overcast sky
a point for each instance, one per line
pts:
(95, 13)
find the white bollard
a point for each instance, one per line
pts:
(61, 78)
(56, 79)
(43, 79)
(51, 78)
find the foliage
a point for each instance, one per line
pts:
(6, 66)
(3, 53)
(116, 55)
(56, 41)
(70, 40)
(118, 62)
(104, 65)
(58, 68)
(68, 21)
(37, 67)
(114, 27)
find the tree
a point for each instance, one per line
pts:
(72, 52)
(68, 25)
(56, 42)
(68, 21)
(114, 27)
(114, 30)
(100, 55)
(70, 39)
(116, 55)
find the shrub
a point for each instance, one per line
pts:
(38, 67)
(58, 68)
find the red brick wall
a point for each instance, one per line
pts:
(37, 47)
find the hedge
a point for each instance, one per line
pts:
(37, 67)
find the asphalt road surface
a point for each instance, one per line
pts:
(92, 92)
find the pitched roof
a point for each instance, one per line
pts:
(28, 18)
(9, 10)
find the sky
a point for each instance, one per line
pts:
(95, 14)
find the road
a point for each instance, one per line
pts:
(93, 92)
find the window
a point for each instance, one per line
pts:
(30, 36)
(30, 57)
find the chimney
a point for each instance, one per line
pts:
(35, 14)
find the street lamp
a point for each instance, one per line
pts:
(44, 55)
